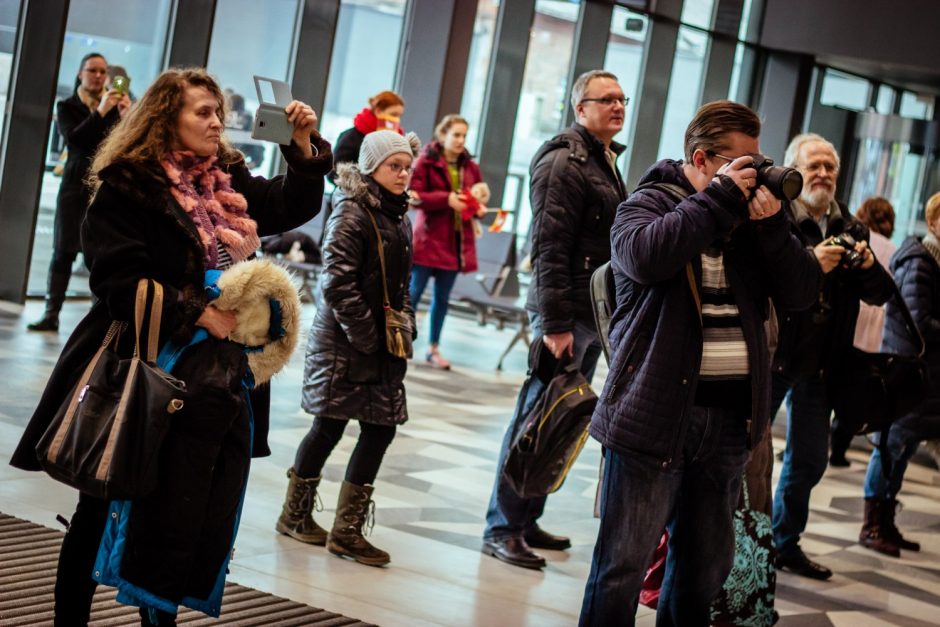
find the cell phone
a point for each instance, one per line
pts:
(271, 123)
(121, 84)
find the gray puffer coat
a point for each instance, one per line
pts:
(349, 374)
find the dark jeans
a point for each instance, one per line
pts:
(74, 585)
(443, 284)
(508, 514)
(902, 444)
(805, 457)
(694, 498)
(323, 437)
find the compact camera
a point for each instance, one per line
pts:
(121, 84)
(784, 183)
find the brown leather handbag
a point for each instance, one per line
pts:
(105, 439)
(399, 326)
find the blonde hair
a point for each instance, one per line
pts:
(148, 130)
(446, 123)
(932, 210)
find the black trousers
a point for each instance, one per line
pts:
(74, 585)
(323, 437)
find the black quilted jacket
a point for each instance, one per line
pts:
(348, 372)
(574, 195)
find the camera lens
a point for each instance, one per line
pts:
(782, 182)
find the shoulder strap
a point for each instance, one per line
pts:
(378, 236)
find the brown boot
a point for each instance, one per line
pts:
(873, 535)
(890, 529)
(355, 509)
(296, 518)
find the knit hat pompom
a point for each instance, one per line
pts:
(380, 145)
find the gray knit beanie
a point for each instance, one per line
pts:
(380, 145)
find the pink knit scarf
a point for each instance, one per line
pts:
(220, 213)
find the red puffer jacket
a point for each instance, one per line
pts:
(436, 243)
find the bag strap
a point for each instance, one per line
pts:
(908, 319)
(378, 235)
(679, 194)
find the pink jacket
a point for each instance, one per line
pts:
(871, 319)
(436, 243)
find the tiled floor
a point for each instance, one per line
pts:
(432, 493)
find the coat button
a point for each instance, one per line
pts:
(685, 382)
(629, 368)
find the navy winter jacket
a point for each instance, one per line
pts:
(918, 277)
(656, 332)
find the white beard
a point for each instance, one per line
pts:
(817, 199)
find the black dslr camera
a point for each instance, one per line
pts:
(854, 233)
(784, 183)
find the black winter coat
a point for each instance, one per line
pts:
(349, 373)
(813, 340)
(918, 277)
(83, 131)
(574, 195)
(656, 332)
(135, 229)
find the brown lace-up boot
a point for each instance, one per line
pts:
(891, 530)
(354, 510)
(873, 534)
(296, 518)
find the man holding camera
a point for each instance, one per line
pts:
(697, 252)
(811, 341)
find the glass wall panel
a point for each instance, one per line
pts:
(9, 18)
(481, 49)
(845, 90)
(698, 13)
(625, 59)
(365, 56)
(251, 37)
(542, 101)
(738, 62)
(685, 88)
(916, 106)
(129, 33)
(887, 96)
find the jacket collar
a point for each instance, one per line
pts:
(594, 144)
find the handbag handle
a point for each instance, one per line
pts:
(156, 313)
(378, 235)
(909, 319)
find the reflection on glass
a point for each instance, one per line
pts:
(685, 88)
(745, 18)
(698, 13)
(250, 37)
(9, 18)
(625, 59)
(918, 106)
(365, 54)
(739, 51)
(887, 96)
(845, 90)
(542, 101)
(481, 48)
(129, 33)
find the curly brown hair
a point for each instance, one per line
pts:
(877, 214)
(148, 131)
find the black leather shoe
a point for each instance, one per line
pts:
(796, 562)
(513, 551)
(46, 323)
(538, 538)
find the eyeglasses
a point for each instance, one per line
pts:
(398, 168)
(712, 153)
(608, 102)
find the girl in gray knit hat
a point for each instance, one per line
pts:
(352, 371)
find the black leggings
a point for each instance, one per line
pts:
(74, 585)
(323, 437)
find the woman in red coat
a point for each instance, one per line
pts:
(444, 241)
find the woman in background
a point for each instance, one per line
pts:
(444, 239)
(84, 120)
(383, 113)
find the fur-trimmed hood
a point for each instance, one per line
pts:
(356, 186)
(265, 300)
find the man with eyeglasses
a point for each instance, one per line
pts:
(698, 251)
(574, 189)
(811, 341)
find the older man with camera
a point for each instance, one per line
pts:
(698, 252)
(811, 341)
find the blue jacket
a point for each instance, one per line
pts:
(918, 277)
(656, 333)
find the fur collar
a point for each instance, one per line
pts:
(356, 187)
